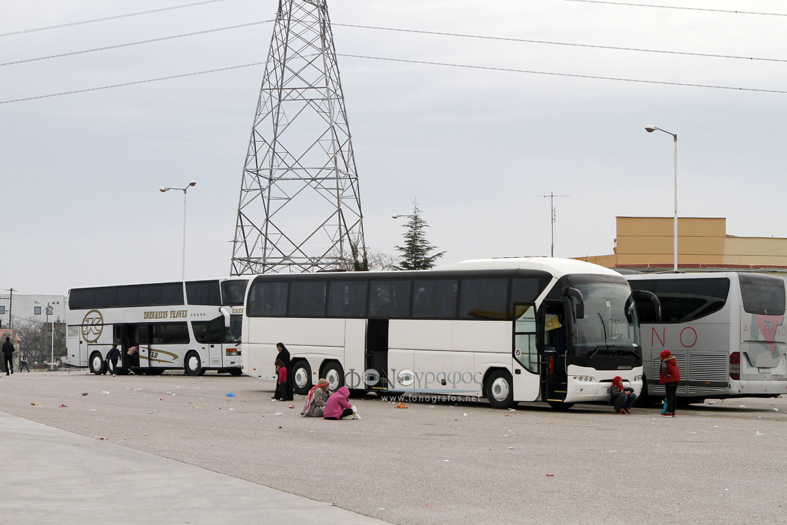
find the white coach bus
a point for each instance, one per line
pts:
(506, 329)
(194, 326)
(726, 331)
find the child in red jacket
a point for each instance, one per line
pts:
(669, 376)
(281, 382)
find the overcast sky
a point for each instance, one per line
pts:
(80, 173)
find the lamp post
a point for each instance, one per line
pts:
(50, 311)
(184, 190)
(400, 216)
(651, 129)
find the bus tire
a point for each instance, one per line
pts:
(557, 405)
(500, 389)
(301, 377)
(97, 364)
(333, 372)
(235, 371)
(192, 365)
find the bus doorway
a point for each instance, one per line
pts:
(554, 375)
(377, 354)
(125, 336)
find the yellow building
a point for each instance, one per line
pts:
(646, 244)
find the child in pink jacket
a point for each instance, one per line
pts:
(337, 405)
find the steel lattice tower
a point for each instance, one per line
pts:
(300, 206)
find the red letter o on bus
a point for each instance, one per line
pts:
(681, 337)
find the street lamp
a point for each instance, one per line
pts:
(184, 190)
(50, 311)
(651, 129)
(399, 216)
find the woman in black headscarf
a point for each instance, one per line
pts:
(284, 356)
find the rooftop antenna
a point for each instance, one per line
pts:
(553, 217)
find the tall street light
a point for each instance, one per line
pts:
(184, 190)
(651, 129)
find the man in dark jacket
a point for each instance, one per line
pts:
(8, 356)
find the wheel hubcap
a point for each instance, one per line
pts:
(301, 378)
(500, 389)
(193, 363)
(333, 379)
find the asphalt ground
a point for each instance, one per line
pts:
(435, 462)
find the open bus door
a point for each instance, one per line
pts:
(553, 336)
(377, 354)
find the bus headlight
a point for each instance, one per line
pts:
(232, 352)
(586, 379)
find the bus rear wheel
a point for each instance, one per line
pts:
(193, 366)
(499, 389)
(302, 377)
(333, 372)
(97, 364)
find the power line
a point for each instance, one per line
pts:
(679, 7)
(109, 18)
(134, 43)
(131, 83)
(445, 64)
(572, 75)
(614, 48)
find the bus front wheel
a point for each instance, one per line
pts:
(193, 365)
(499, 389)
(97, 364)
(302, 377)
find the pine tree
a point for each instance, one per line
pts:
(417, 251)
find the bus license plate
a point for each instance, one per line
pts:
(764, 370)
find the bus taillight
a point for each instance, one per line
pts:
(232, 351)
(551, 366)
(735, 366)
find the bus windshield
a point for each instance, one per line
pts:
(610, 326)
(232, 335)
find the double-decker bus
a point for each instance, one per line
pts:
(519, 329)
(194, 326)
(726, 331)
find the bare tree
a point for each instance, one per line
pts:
(36, 339)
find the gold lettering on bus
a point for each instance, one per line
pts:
(178, 314)
(155, 315)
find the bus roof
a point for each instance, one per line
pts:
(555, 266)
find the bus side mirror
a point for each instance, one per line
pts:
(578, 302)
(654, 301)
(226, 315)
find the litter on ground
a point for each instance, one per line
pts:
(231, 395)
(402, 405)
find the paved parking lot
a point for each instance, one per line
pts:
(437, 462)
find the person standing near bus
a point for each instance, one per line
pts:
(23, 362)
(281, 382)
(669, 375)
(8, 356)
(112, 357)
(133, 355)
(284, 357)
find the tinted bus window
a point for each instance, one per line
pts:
(127, 296)
(347, 299)
(234, 292)
(307, 299)
(204, 292)
(82, 299)
(106, 297)
(762, 294)
(209, 332)
(435, 299)
(682, 300)
(149, 295)
(267, 299)
(169, 333)
(389, 299)
(484, 299)
(527, 289)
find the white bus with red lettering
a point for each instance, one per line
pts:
(726, 330)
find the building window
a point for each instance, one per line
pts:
(37, 310)
(2, 310)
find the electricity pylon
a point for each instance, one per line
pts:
(300, 206)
